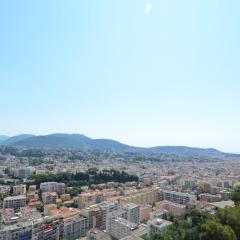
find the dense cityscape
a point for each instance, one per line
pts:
(119, 120)
(74, 194)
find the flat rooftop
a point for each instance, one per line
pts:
(15, 197)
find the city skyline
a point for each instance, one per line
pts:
(145, 73)
(119, 120)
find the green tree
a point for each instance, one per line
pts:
(230, 217)
(198, 217)
(181, 229)
(75, 191)
(212, 230)
(236, 195)
(92, 171)
(161, 236)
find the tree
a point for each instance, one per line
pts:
(236, 195)
(92, 171)
(161, 236)
(198, 217)
(180, 230)
(75, 191)
(213, 230)
(230, 217)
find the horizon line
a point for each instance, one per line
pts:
(132, 145)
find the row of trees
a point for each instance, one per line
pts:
(92, 176)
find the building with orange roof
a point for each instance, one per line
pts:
(49, 197)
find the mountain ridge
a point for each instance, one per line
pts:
(82, 142)
(14, 139)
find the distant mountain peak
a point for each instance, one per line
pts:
(14, 139)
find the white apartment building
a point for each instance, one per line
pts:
(106, 209)
(59, 188)
(176, 197)
(14, 202)
(157, 225)
(132, 213)
(120, 228)
(75, 227)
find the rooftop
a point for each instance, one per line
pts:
(15, 197)
(223, 204)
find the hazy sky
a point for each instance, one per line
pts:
(157, 72)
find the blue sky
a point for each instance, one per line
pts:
(109, 69)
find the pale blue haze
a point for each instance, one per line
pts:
(106, 69)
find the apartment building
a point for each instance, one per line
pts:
(65, 197)
(4, 191)
(157, 225)
(147, 197)
(24, 172)
(75, 227)
(48, 228)
(210, 197)
(176, 197)
(17, 226)
(96, 234)
(94, 216)
(19, 189)
(106, 209)
(190, 184)
(224, 184)
(132, 213)
(30, 224)
(97, 214)
(49, 198)
(145, 213)
(16, 231)
(174, 209)
(14, 202)
(225, 195)
(86, 199)
(120, 228)
(59, 188)
(32, 188)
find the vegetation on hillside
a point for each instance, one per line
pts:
(236, 195)
(200, 225)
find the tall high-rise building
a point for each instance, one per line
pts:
(106, 209)
(94, 216)
(97, 214)
(75, 227)
(132, 212)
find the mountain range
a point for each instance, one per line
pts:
(82, 142)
